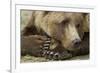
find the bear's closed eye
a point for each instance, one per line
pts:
(65, 22)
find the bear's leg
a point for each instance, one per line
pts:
(38, 46)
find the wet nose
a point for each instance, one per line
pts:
(76, 42)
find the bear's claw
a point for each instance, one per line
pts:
(52, 55)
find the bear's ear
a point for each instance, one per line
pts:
(43, 13)
(86, 22)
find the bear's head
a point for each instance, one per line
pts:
(65, 27)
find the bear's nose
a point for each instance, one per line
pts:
(76, 42)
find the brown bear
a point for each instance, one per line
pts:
(66, 30)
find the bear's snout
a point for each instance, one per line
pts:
(76, 42)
